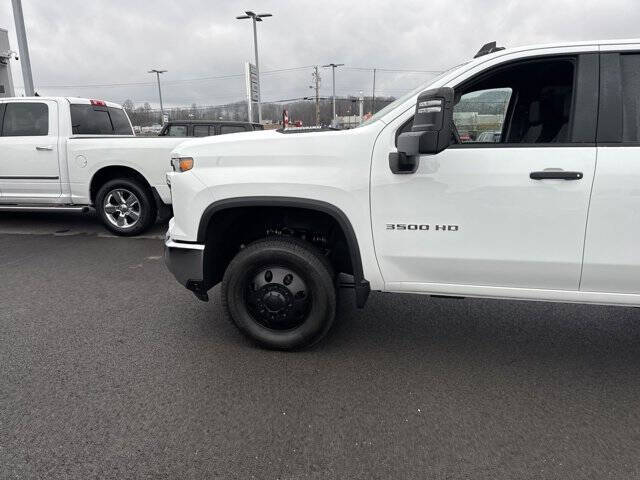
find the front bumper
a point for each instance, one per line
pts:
(186, 262)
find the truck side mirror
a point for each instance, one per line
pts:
(431, 131)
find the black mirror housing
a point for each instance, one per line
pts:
(432, 123)
(401, 163)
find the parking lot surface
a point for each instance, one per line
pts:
(110, 369)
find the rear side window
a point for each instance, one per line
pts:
(99, 120)
(120, 121)
(201, 130)
(231, 129)
(630, 73)
(26, 120)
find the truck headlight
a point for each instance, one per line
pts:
(181, 164)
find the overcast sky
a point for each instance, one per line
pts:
(86, 43)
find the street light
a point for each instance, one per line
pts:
(255, 18)
(333, 71)
(158, 72)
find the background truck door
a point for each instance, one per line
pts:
(477, 213)
(29, 168)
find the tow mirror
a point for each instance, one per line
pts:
(431, 131)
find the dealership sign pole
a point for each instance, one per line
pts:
(6, 82)
(252, 86)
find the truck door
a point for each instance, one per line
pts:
(611, 257)
(493, 209)
(29, 168)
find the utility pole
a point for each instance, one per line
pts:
(25, 62)
(316, 79)
(256, 18)
(333, 71)
(158, 72)
(373, 96)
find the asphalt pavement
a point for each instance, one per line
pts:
(110, 369)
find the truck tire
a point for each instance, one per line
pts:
(125, 206)
(281, 293)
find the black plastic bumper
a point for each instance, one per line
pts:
(186, 262)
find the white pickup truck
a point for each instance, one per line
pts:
(417, 200)
(65, 154)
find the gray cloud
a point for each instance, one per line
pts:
(79, 42)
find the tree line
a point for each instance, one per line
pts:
(299, 110)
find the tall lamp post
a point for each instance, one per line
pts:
(255, 17)
(333, 71)
(158, 72)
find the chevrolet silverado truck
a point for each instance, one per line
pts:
(407, 202)
(76, 154)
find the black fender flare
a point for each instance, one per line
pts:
(361, 285)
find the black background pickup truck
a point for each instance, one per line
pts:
(205, 128)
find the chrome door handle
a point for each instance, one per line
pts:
(44, 147)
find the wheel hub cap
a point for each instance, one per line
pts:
(277, 298)
(122, 208)
(274, 301)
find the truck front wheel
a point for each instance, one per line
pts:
(281, 293)
(125, 206)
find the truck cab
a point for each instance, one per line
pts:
(419, 199)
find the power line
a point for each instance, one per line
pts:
(172, 82)
(224, 77)
(393, 70)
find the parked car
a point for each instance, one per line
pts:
(400, 204)
(73, 154)
(206, 128)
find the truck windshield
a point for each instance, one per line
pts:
(99, 120)
(396, 103)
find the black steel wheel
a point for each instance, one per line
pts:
(280, 292)
(277, 297)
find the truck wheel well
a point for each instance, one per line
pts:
(232, 226)
(109, 173)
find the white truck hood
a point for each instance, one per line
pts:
(274, 145)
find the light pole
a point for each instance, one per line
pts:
(158, 72)
(25, 62)
(255, 18)
(333, 71)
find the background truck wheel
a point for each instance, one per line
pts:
(125, 206)
(281, 293)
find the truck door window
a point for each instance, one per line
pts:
(26, 120)
(630, 73)
(177, 131)
(231, 129)
(201, 130)
(529, 102)
(479, 115)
